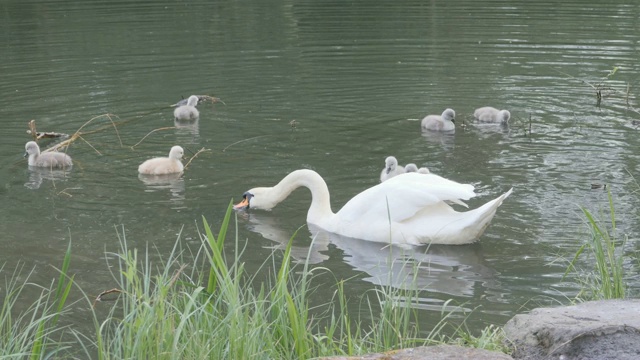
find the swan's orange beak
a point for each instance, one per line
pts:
(244, 204)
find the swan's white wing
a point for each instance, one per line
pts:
(402, 196)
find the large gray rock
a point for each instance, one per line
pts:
(440, 352)
(592, 330)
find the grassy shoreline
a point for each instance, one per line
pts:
(205, 305)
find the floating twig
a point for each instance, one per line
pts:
(100, 296)
(175, 276)
(240, 141)
(86, 142)
(194, 156)
(41, 135)
(201, 98)
(79, 133)
(152, 131)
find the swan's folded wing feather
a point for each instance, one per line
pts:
(401, 197)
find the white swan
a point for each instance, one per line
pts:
(53, 160)
(444, 122)
(391, 169)
(492, 115)
(407, 209)
(188, 111)
(164, 165)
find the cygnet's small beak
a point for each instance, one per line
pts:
(453, 121)
(389, 169)
(244, 204)
(26, 154)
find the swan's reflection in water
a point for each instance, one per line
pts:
(37, 175)
(187, 131)
(454, 270)
(172, 182)
(269, 229)
(444, 139)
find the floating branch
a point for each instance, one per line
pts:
(238, 142)
(41, 135)
(101, 296)
(78, 134)
(152, 131)
(194, 156)
(201, 98)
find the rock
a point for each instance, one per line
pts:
(440, 352)
(607, 329)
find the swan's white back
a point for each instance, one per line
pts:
(410, 208)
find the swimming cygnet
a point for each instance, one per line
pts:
(411, 167)
(391, 169)
(492, 115)
(444, 122)
(53, 160)
(164, 165)
(189, 111)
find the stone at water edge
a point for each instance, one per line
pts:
(596, 330)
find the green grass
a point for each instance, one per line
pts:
(205, 305)
(33, 332)
(605, 251)
(214, 309)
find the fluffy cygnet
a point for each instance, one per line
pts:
(391, 169)
(188, 111)
(444, 122)
(54, 160)
(492, 115)
(164, 165)
(410, 167)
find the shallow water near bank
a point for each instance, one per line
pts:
(356, 78)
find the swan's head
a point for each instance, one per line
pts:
(411, 167)
(390, 164)
(176, 153)
(31, 148)
(449, 115)
(256, 198)
(504, 116)
(193, 100)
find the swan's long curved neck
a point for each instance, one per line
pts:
(320, 208)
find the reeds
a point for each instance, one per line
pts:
(33, 331)
(607, 278)
(205, 305)
(212, 308)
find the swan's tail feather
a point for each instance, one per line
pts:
(486, 212)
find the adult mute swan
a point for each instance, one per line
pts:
(188, 111)
(407, 209)
(53, 160)
(492, 115)
(391, 169)
(164, 165)
(444, 122)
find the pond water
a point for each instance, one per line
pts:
(356, 77)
